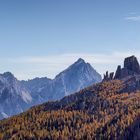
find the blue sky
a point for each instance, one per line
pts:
(42, 37)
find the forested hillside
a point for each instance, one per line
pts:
(102, 111)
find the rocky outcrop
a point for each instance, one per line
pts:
(132, 65)
(108, 76)
(118, 73)
(111, 76)
(131, 68)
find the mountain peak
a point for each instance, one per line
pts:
(81, 60)
(8, 75)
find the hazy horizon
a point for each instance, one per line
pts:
(42, 38)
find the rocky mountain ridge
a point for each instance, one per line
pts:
(77, 76)
(18, 96)
(14, 98)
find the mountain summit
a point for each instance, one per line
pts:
(79, 75)
(80, 60)
(75, 77)
(14, 98)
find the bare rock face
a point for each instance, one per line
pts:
(118, 73)
(130, 74)
(108, 76)
(132, 65)
(111, 76)
(131, 68)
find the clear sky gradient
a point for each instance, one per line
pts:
(42, 37)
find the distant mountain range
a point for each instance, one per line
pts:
(17, 96)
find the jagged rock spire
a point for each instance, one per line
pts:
(131, 67)
(108, 76)
(118, 73)
(131, 63)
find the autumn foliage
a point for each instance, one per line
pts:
(100, 112)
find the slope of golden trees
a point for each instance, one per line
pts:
(100, 112)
